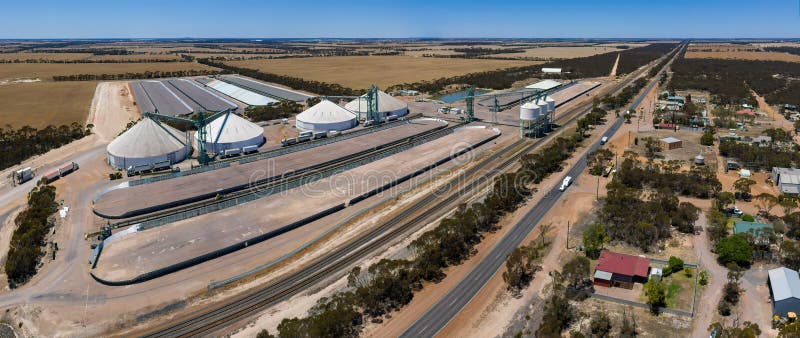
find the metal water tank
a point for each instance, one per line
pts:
(529, 111)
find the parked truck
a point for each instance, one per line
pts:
(67, 168)
(23, 175)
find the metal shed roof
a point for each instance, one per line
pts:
(545, 85)
(670, 140)
(785, 283)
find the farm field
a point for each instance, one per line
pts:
(384, 71)
(564, 52)
(745, 55)
(720, 47)
(45, 71)
(39, 104)
(44, 56)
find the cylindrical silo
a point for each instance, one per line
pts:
(529, 111)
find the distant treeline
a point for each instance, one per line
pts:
(134, 76)
(601, 64)
(632, 59)
(91, 61)
(20, 144)
(322, 88)
(25, 248)
(95, 51)
(790, 50)
(729, 81)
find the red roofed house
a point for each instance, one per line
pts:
(747, 112)
(616, 269)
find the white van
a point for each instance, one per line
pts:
(564, 184)
(604, 140)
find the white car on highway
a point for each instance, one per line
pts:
(565, 183)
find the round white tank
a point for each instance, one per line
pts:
(529, 111)
(551, 104)
(543, 106)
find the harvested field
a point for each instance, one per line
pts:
(135, 57)
(42, 103)
(44, 56)
(744, 55)
(384, 71)
(720, 47)
(46, 71)
(566, 52)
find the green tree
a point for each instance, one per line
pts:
(736, 249)
(520, 267)
(594, 237)
(576, 271)
(743, 185)
(717, 225)
(766, 201)
(747, 330)
(656, 293)
(707, 139)
(788, 203)
(600, 325)
(264, 334)
(675, 265)
(724, 199)
(651, 147)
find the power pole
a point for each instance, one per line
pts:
(567, 244)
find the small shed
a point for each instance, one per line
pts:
(656, 274)
(669, 143)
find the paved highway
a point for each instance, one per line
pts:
(437, 317)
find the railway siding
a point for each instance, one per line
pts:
(155, 252)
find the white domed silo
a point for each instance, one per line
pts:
(148, 143)
(232, 132)
(387, 106)
(326, 116)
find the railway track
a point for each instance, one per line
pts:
(208, 322)
(284, 182)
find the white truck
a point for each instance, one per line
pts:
(565, 183)
(604, 140)
(23, 175)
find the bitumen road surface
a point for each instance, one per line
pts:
(437, 317)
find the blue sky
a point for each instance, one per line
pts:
(398, 19)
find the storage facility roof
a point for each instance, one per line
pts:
(326, 112)
(240, 94)
(147, 138)
(234, 129)
(670, 140)
(622, 264)
(386, 103)
(544, 85)
(785, 283)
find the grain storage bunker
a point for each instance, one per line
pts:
(387, 106)
(148, 143)
(231, 131)
(326, 116)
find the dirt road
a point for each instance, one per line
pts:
(717, 277)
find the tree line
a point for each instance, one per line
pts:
(760, 156)
(273, 111)
(91, 61)
(322, 88)
(730, 81)
(135, 76)
(25, 249)
(16, 145)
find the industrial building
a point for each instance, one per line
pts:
(147, 143)
(387, 106)
(787, 179)
(544, 85)
(784, 291)
(265, 89)
(535, 116)
(326, 116)
(232, 132)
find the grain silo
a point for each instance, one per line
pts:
(231, 131)
(387, 106)
(326, 116)
(148, 143)
(529, 113)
